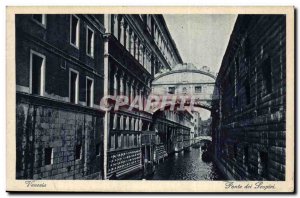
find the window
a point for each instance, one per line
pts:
(149, 22)
(115, 25)
(144, 126)
(131, 43)
(37, 77)
(267, 74)
(127, 123)
(121, 122)
(48, 156)
(90, 42)
(198, 89)
(171, 90)
(73, 86)
(89, 92)
(135, 140)
(40, 19)
(124, 141)
(112, 141)
(132, 124)
(98, 149)
(119, 141)
(136, 127)
(128, 140)
(136, 49)
(263, 164)
(74, 31)
(78, 152)
(115, 122)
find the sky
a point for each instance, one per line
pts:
(201, 39)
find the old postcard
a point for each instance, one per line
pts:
(150, 99)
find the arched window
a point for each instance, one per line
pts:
(127, 123)
(132, 124)
(136, 128)
(121, 122)
(140, 125)
(115, 121)
(115, 25)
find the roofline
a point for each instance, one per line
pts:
(231, 45)
(170, 37)
(185, 70)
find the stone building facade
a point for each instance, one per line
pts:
(59, 84)
(173, 130)
(65, 66)
(185, 80)
(189, 82)
(205, 127)
(136, 47)
(249, 122)
(197, 126)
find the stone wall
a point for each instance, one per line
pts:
(250, 138)
(41, 126)
(56, 139)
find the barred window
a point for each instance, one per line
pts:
(263, 164)
(267, 74)
(48, 156)
(198, 89)
(171, 90)
(78, 151)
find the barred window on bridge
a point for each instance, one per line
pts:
(198, 89)
(171, 90)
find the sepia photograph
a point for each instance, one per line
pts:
(153, 97)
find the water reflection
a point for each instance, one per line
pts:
(186, 166)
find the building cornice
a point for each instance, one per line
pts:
(93, 20)
(175, 49)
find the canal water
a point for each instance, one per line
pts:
(187, 165)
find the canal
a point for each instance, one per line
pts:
(185, 165)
